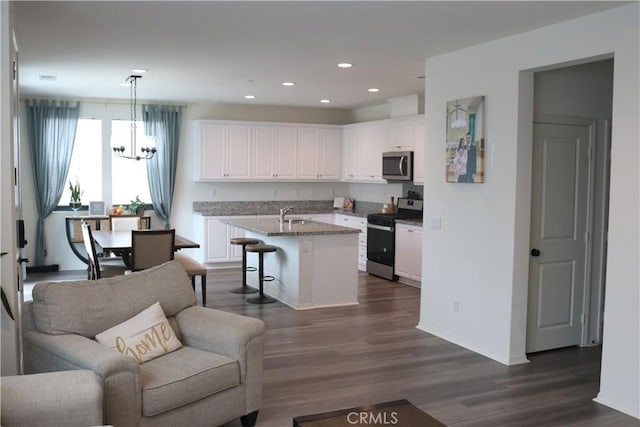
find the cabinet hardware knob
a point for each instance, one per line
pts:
(535, 252)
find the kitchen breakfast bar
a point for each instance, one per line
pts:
(314, 265)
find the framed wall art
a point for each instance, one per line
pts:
(96, 208)
(465, 147)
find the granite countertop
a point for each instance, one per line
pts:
(272, 227)
(270, 207)
(410, 221)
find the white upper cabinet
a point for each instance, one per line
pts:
(224, 151)
(349, 153)
(364, 144)
(400, 135)
(275, 151)
(318, 153)
(258, 151)
(371, 147)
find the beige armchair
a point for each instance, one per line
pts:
(214, 378)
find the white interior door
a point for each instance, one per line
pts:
(559, 237)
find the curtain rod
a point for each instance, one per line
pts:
(102, 101)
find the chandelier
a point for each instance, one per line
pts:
(146, 152)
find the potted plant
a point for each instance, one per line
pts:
(76, 193)
(136, 206)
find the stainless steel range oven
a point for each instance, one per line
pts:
(381, 237)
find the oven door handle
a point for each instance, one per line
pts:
(380, 227)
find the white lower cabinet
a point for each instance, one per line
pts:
(408, 262)
(217, 236)
(361, 223)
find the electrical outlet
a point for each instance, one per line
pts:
(456, 306)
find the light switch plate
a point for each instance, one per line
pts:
(436, 223)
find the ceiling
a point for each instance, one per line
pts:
(222, 51)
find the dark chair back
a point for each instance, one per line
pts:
(93, 272)
(151, 247)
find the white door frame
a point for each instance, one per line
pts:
(590, 123)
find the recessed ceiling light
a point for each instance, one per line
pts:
(325, 101)
(373, 89)
(48, 78)
(345, 65)
(139, 70)
(288, 84)
(249, 97)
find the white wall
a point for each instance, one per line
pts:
(480, 256)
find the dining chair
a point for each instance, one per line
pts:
(151, 247)
(99, 266)
(125, 222)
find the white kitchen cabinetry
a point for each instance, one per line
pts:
(217, 235)
(319, 153)
(275, 150)
(361, 223)
(408, 263)
(362, 152)
(224, 151)
(400, 135)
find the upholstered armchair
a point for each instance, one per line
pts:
(215, 377)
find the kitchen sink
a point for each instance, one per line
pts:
(296, 220)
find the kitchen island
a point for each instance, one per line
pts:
(314, 264)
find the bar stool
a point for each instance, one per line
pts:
(244, 241)
(261, 250)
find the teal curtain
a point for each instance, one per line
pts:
(52, 131)
(163, 123)
(472, 126)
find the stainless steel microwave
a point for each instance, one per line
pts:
(397, 166)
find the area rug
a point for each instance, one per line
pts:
(399, 413)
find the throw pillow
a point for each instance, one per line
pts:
(144, 337)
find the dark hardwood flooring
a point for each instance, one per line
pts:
(327, 359)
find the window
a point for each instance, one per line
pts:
(128, 177)
(86, 162)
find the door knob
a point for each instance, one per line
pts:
(535, 252)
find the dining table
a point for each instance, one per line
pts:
(120, 242)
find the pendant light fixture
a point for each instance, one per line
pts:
(458, 117)
(146, 153)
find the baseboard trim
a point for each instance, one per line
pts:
(516, 360)
(625, 407)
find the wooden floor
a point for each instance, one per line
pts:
(328, 359)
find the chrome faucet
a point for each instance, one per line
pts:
(283, 212)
